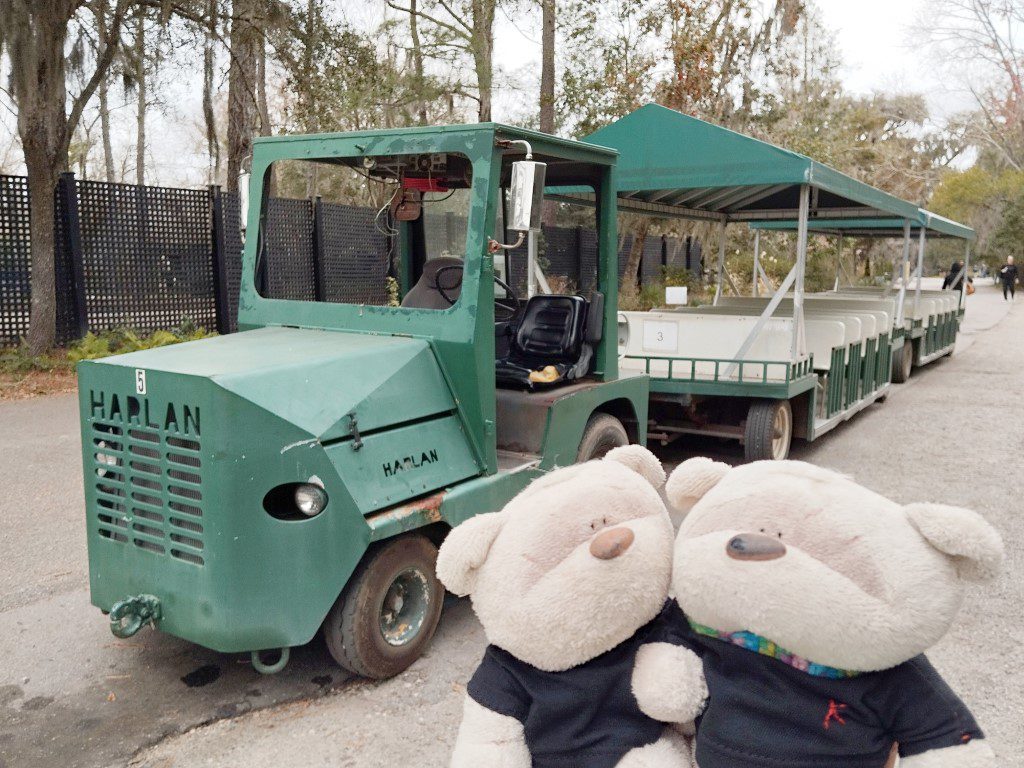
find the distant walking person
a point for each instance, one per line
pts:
(1008, 274)
(954, 279)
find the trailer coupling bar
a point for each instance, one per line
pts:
(128, 615)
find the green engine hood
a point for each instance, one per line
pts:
(314, 378)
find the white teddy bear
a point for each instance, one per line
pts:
(568, 581)
(811, 601)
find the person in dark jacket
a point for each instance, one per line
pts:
(950, 276)
(954, 279)
(1008, 274)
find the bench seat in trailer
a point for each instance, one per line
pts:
(859, 327)
(703, 337)
(876, 318)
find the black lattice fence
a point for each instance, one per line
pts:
(147, 255)
(353, 255)
(289, 251)
(151, 257)
(14, 257)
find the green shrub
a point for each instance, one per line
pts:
(123, 340)
(19, 361)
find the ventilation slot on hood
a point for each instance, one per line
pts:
(149, 491)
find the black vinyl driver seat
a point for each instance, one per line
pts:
(553, 330)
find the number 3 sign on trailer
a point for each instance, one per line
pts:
(660, 336)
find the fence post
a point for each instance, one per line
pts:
(579, 259)
(67, 189)
(221, 299)
(318, 248)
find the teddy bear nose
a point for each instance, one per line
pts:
(754, 546)
(611, 543)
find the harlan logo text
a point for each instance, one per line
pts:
(392, 468)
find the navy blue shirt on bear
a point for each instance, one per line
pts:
(766, 711)
(584, 717)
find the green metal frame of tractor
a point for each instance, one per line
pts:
(247, 491)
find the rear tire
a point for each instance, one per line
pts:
(388, 611)
(769, 430)
(603, 433)
(903, 363)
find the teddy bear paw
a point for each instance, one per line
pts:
(668, 683)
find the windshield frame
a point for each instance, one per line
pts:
(456, 322)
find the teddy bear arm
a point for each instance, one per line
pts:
(489, 738)
(974, 754)
(668, 682)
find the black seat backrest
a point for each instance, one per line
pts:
(551, 329)
(594, 329)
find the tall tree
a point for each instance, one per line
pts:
(101, 11)
(417, 63)
(465, 28)
(209, 118)
(246, 42)
(33, 35)
(981, 42)
(547, 88)
(139, 60)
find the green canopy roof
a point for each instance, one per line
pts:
(673, 164)
(934, 225)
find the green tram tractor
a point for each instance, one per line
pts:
(245, 491)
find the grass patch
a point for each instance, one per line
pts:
(24, 375)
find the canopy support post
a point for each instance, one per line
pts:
(757, 260)
(721, 261)
(919, 272)
(839, 262)
(531, 264)
(904, 273)
(799, 346)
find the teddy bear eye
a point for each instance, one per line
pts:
(780, 534)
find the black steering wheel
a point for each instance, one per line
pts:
(509, 310)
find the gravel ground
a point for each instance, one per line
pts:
(946, 436)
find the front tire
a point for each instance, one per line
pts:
(903, 363)
(388, 611)
(603, 432)
(769, 430)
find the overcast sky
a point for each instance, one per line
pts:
(876, 40)
(875, 37)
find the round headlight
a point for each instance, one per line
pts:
(310, 499)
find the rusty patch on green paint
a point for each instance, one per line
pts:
(426, 509)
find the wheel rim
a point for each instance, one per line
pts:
(781, 426)
(404, 608)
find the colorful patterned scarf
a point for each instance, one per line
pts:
(766, 647)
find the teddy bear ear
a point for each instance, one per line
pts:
(974, 546)
(641, 461)
(692, 479)
(465, 549)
